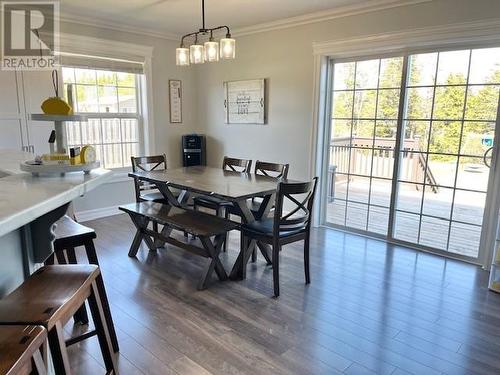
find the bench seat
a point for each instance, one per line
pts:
(193, 222)
(198, 224)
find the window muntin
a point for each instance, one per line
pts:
(110, 99)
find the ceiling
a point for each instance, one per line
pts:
(176, 17)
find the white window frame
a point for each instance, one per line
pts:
(455, 36)
(89, 46)
(120, 115)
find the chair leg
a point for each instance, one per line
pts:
(243, 249)
(227, 216)
(81, 315)
(92, 257)
(39, 364)
(276, 269)
(306, 260)
(254, 255)
(102, 330)
(58, 350)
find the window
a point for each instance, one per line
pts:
(111, 101)
(433, 149)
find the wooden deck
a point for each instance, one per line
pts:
(464, 239)
(372, 308)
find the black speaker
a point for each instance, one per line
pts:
(193, 150)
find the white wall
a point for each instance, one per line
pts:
(285, 58)
(167, 136)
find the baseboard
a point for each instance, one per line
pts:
(97, 213)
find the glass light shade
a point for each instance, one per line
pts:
(196, 54)
(211, 51)
(227, 48)
(182, 56)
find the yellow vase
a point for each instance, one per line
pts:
(56, 106)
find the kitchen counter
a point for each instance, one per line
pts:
(27, 204)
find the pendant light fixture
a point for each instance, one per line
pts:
(209, 51)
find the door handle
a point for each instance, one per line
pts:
(485, 157)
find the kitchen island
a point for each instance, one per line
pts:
(28, 207)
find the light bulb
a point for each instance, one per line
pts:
(182, 56)
(227, 48)
(211, 51)
(196, 54)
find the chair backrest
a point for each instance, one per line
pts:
(300, 196)
(147, 164)
(272, 169)
(236, 165)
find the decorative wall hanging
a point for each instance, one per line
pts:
(175, 101)
(245, 102)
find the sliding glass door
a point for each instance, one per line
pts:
(365, 104)
(435, 115)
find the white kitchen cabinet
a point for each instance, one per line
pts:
(22, 93)
(12, 116)
(37, 87)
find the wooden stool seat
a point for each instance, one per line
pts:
(50, 297)
(47, 296)
(19, 346)
(67, 230)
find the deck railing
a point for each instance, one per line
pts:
(367, 156)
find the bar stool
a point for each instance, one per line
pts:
(50, 297)
(20, 350)
(68, 235)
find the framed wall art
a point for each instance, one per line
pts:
(245, 102)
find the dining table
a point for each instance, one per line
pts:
(233, 187)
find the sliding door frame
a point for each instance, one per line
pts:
(406, 43)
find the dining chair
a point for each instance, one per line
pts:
(264, 168)
(145, 191)
(275, 170)
(217, 204)
(284, 227)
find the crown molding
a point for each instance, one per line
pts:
(477, 32)
(325, 15)
(329, 14)
(116, 26)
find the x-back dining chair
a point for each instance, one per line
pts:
(285, 226)
(219, 205)
(145, 191)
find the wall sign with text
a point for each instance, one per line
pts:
(175, 101)
(245, 102)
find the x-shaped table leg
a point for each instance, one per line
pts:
(215, 264)
(141, 224)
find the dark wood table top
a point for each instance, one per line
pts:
(228, 185)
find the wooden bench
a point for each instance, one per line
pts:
(198, 224)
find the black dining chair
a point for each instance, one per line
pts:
(262, 168)
(274, 170)
(285, 226)
(217, 204)
(145, 191)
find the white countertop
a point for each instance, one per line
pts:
(24, 198)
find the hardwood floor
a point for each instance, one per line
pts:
(372, 308)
